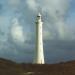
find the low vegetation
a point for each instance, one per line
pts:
(8, 67)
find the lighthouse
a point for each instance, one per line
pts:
(39, 53)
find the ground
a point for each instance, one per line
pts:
(8, 67)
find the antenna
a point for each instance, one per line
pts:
(39, 10)
(45, 18)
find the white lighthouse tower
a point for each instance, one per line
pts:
(39, 54)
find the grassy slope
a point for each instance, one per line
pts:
(8, 67)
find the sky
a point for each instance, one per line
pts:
(17, 29)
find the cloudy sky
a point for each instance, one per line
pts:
(17, 29)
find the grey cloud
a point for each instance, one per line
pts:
(56, 11)
(53, 16)
(54, 26)
(58, 50)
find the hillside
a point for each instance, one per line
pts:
(8, 67)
